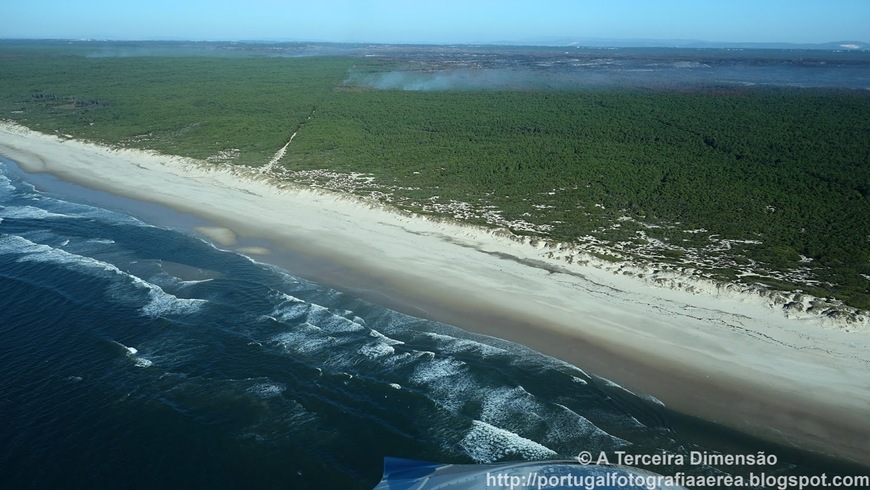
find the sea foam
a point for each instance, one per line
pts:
(31, 212)
(486, 443)
(455, 345)
(267, 390)
(377, 350)
(160, 302)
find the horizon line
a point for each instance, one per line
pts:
(852, 45)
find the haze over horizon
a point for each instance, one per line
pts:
(447, 22)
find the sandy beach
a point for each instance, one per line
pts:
(718, 353)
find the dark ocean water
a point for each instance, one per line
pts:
(135, 356)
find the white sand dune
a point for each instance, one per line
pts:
(708, 350)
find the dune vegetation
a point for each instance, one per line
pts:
(759, 185)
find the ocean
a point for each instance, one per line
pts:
(135, 355)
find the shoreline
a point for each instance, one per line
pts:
(714, 353)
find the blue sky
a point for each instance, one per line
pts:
(439, 21)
